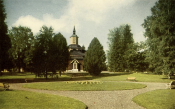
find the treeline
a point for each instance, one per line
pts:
(44, 52)
(48, 51)
(156, 54)
(40, 53)
(123, 53)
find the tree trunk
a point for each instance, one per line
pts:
(19, 69)
(60, 73)
(46, 73)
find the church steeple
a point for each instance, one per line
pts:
(74, 37)
(74, 31)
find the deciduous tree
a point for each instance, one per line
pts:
(59, 54)
(22, 40)
(41, 53)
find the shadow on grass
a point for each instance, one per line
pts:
(16, 73)
(6, 90)
(69, 77)
(33, 80)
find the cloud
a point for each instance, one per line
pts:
(92, 18)
(78, 11)
(29, 21)
(35, 24)
(95, 10)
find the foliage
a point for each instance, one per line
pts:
(95, 58)
(5, 43)
(158, 99)
(51, 52)
(41, 51)
(33, 100)
(22, 40)
(120, 45)
(59, 54)
(160, 34)
(136, 57)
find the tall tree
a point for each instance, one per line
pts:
(22, 42)
(95, 58)
(5, 43)
(160, 33)
(120, 43)
(128, 45)
(41, 53)
(59, 54)
(115, 46)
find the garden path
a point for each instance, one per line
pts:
(102, 99)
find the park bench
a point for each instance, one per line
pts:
(29, 79)
(171, 85)
(131, 78)
(5, 86)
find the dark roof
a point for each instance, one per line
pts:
(75, 46)
(76, 54)
(74, 35)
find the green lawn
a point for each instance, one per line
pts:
(17, 76)
(158, 99)
(140, 77)
(31, 100)
(105, 76)
(82, 86)
(20, 77)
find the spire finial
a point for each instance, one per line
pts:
(74, 31)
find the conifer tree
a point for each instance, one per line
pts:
(94, 61)
(115, 46)
(120, 44)
(160, 34)
(5, 43)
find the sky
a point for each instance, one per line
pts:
(91, 18)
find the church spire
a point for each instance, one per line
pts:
(74, 37)
(74, 31)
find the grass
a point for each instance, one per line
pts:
(105, 86)
(17, 76)
(140, 77)
(107, 81)
(158, 99)
(105, 76)
(32, 100)
(20, 78)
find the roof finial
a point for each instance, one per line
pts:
(74, 31)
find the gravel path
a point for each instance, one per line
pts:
(102, 99)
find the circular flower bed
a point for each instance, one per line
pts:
(84, 82)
